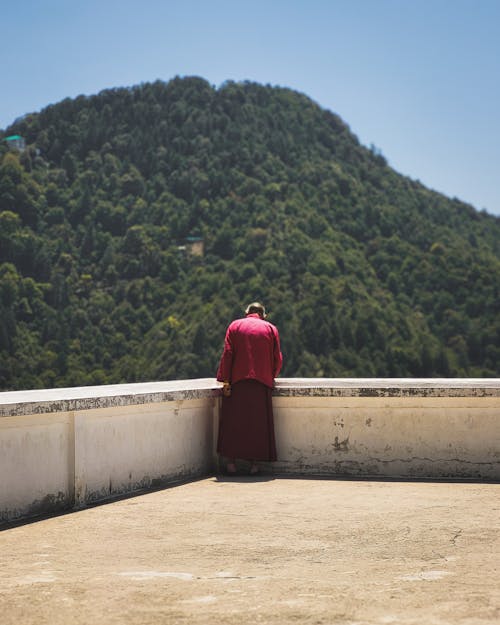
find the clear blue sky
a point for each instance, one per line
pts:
(419, 79)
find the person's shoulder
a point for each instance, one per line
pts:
(236, 323)
(271, 325)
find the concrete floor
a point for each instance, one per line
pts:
(258, 550)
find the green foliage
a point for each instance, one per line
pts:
(365, 272)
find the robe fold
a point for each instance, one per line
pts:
(246, 427)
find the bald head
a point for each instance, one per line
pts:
(256, 307)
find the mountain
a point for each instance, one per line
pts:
(137, 223)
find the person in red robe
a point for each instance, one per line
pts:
(249, 363)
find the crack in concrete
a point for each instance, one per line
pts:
(455, 537)
(426, 459)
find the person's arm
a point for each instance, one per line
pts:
(226, 361)
(278, 356)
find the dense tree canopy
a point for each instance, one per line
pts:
(365, 272)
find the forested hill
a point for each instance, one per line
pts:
(364, 271)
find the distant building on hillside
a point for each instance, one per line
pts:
(16, 142)
(194, 246)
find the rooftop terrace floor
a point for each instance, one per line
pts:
(262, 550)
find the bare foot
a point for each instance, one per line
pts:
(231, 467)
(254, 469)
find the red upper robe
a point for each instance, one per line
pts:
(251, 351)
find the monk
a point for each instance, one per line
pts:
(250, 361)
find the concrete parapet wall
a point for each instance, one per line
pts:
(391, 437)
(115, 440)
(415, 428)
(62, 448)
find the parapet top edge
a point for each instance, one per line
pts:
(390, 382)
(17, 403)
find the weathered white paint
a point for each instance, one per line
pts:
(69, 447)
(389, 436)
(119, 450)
(36, 469)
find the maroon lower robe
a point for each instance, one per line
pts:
(246, 427)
